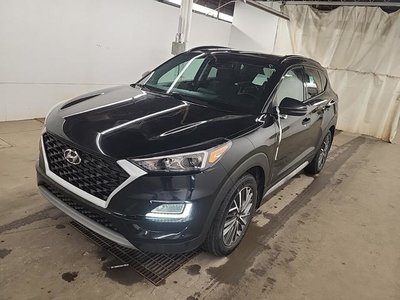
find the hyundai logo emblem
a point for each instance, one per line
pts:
(72, 157)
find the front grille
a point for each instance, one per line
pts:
(86, 211)
(93, 175)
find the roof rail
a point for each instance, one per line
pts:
(207, 48)
(293, 56)
(290, 56)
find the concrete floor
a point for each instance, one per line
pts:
(333, 236)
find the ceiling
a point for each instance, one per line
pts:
(227, 6)
(337, 3)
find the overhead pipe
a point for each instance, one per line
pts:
(268, 9)
(258, 5)
(185, 20)
(184, 26)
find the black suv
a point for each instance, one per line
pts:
(184, 157)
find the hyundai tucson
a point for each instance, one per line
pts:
(183, 157)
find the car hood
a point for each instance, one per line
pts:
(127, 122)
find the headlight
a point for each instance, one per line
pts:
(185, 162)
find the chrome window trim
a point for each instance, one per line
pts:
(133, 171)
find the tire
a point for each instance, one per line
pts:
(235, 221)
(320, 157)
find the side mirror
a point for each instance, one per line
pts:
(145, 74)
(292, 107)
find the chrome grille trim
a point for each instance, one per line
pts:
(133, 171)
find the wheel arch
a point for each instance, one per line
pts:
(257, 165)
(332, 130)
(259, 175)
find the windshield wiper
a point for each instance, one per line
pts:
(177, 96)
(141, 86)
(187, 98)
(200, 102)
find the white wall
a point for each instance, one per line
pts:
(253, 29)
(52, 50)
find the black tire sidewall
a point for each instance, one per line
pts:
(313, 167)
(246, 180)
(329, 134)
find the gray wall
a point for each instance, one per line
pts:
(253, 29)
(53, 50)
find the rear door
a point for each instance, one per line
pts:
(316, 102)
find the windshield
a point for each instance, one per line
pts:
(230, 81)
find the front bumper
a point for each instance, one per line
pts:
(124, 222)
(84, 220)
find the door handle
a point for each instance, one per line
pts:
(306, 121)
(330, 103)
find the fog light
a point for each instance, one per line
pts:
(172, 208)
(170, 212)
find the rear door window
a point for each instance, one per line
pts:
(323, 80)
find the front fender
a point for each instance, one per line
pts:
(235, 168)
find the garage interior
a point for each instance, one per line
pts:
(330, 236)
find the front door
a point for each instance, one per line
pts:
(295, 143)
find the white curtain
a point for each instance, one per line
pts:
(360, 47)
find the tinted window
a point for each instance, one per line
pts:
(291, 86)
(323, 80)
(232, 82)
(190, 72)
(212, 73)
(313, 82)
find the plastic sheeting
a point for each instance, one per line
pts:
(360, 47)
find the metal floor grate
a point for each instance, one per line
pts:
(152, 266)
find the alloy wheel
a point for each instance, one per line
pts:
(238, 216)
(323, 152)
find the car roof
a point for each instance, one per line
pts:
(283, 60)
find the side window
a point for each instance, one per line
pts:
(291, 86)
(323, 80)
(313, 82)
